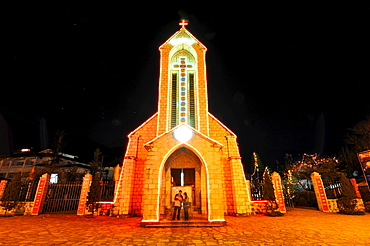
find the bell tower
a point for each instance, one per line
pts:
(182, 83)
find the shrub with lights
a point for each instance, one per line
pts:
(272, 207)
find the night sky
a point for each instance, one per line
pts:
(284, 78)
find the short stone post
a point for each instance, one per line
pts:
(278, 190)
(84, 192)
(318, 186)
(42, 190)
(2, 187)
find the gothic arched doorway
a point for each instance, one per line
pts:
(184, 170)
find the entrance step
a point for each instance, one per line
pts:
(174, 224)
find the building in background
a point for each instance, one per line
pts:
(27, 161)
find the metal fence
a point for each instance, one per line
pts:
(107, 190)
(63, 197)
(288, 194)
(28, 190)
(333, 187)
(257, 190)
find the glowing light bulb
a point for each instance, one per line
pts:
(183, 134)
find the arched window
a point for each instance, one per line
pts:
(182, 89)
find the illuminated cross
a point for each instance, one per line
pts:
(183, 67)
(183, 23)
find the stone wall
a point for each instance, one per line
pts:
(258, 207)
(224, 187)
(129, 190)
(330, 205)
(160, 150)
(22, 208)
(333, 206)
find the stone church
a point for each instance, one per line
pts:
(182, 146)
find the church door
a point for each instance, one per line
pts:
(184, 170)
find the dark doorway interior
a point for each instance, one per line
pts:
(183, 176)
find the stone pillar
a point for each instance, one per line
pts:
(355, 186)
(84, 192)
(215, 194)
(124, 189)
(318, 186)
(241, 196)
(2, 187)
(42, 190)
(204, 190)
(151, 194)
(278, 190)
(248, 184)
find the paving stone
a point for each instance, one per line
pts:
(297, 227)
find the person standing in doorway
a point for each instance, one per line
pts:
(186, 205)
(177, 208)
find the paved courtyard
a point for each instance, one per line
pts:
(297, 227)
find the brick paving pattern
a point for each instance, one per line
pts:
(297, 227)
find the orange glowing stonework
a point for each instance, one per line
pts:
(182, 145)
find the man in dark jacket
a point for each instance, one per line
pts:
(178, 200)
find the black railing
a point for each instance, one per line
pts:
(257, 190)
(333, 187)
(107, 190)
(63, 197)
(28, 190)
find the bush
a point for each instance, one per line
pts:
(11, 193)
(346, 203)
(367, 207)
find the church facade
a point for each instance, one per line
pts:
(182, 146)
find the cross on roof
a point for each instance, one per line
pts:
(183, 23)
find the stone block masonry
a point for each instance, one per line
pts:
(153, 152)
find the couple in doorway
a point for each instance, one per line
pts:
(184, 201)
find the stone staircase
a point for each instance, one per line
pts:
(176, 223)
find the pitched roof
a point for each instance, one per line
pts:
(182, 36)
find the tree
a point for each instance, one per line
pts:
(94, 194)
(70, 174)
(11, 194)
(328, 167)
(349, 161)
(347, 203)
(258, 166)
(57, 146)
(268, 188)
(358, 137)
(51, 166)
(269, 195)
(357, 140)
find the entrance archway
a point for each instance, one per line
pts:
(184, 170)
